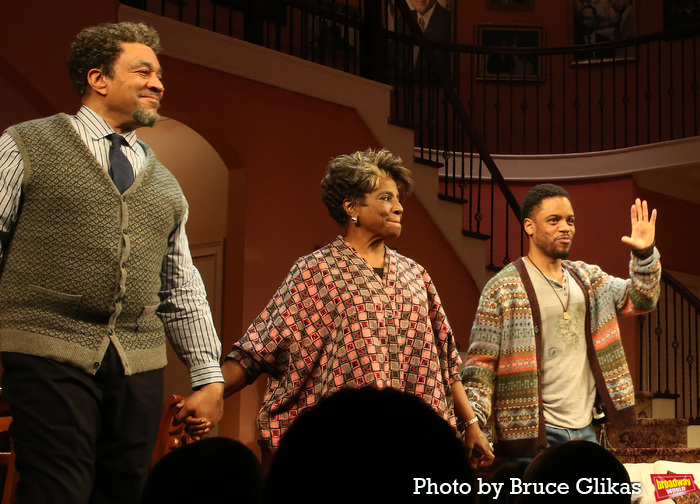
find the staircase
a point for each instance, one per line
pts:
(463, 162)
(651, 439)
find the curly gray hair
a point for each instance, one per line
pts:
(352, 177)
(99, 47)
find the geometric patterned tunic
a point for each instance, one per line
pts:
(334, 323)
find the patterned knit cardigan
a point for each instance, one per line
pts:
(505, 353)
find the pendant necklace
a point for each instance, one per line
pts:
(568, 297)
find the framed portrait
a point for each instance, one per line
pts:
(679, 13)
(423, 7)
(516, 5)
(509, 66)
(593, 22)
(435, 19)
(438, 13)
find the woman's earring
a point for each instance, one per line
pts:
(354, 219)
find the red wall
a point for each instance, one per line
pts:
(553, 15)
(677, 232)
(276, 145)
(282, 142)
(602, 212)
(594, 97)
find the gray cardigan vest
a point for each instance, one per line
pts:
(84, 263)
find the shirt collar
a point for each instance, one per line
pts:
(98, 128)
(426, 17)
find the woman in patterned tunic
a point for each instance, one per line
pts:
(355, 313)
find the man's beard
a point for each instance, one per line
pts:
(551, 250)
(146, 117)
(559, 253)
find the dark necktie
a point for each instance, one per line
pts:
(120, 168)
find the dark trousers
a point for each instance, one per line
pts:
(80, 438)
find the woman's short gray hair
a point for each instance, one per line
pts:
(352, 177)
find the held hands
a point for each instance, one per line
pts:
(643, 227)
(202, 410)
(479, 450)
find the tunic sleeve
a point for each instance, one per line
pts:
(447, 348)
(264, 348)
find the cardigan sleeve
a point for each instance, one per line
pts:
(644, 285)
(633, 296)
(479, 373)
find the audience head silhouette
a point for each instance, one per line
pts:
(368, 445)
(214, 470)
(502, 477)
(590, 472)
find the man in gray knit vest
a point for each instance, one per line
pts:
(95, 273)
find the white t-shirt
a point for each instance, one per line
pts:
(568, 387)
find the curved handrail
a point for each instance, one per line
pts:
(674, 34)
(460, 110)
(686, 293)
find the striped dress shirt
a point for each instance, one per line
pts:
(184, 309)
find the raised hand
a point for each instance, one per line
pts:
(643, 227)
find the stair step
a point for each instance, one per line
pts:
(648, 455)
(402, 124)
(650, 432)
(644, 404)
(427, 162)
(474, 234)
(453, 199)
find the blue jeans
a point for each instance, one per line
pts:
(556, 435)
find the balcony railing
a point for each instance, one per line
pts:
(670, 348)
(547, 100)
(462, 106)
(568, 99)
(556, 100)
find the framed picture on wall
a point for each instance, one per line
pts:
(679, 13)
(523, 66)
(523, 5)
(435, 19)
(602, 21)
(438, 21)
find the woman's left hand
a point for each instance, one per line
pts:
(479, 450)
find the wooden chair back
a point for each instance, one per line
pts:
(170, 436)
